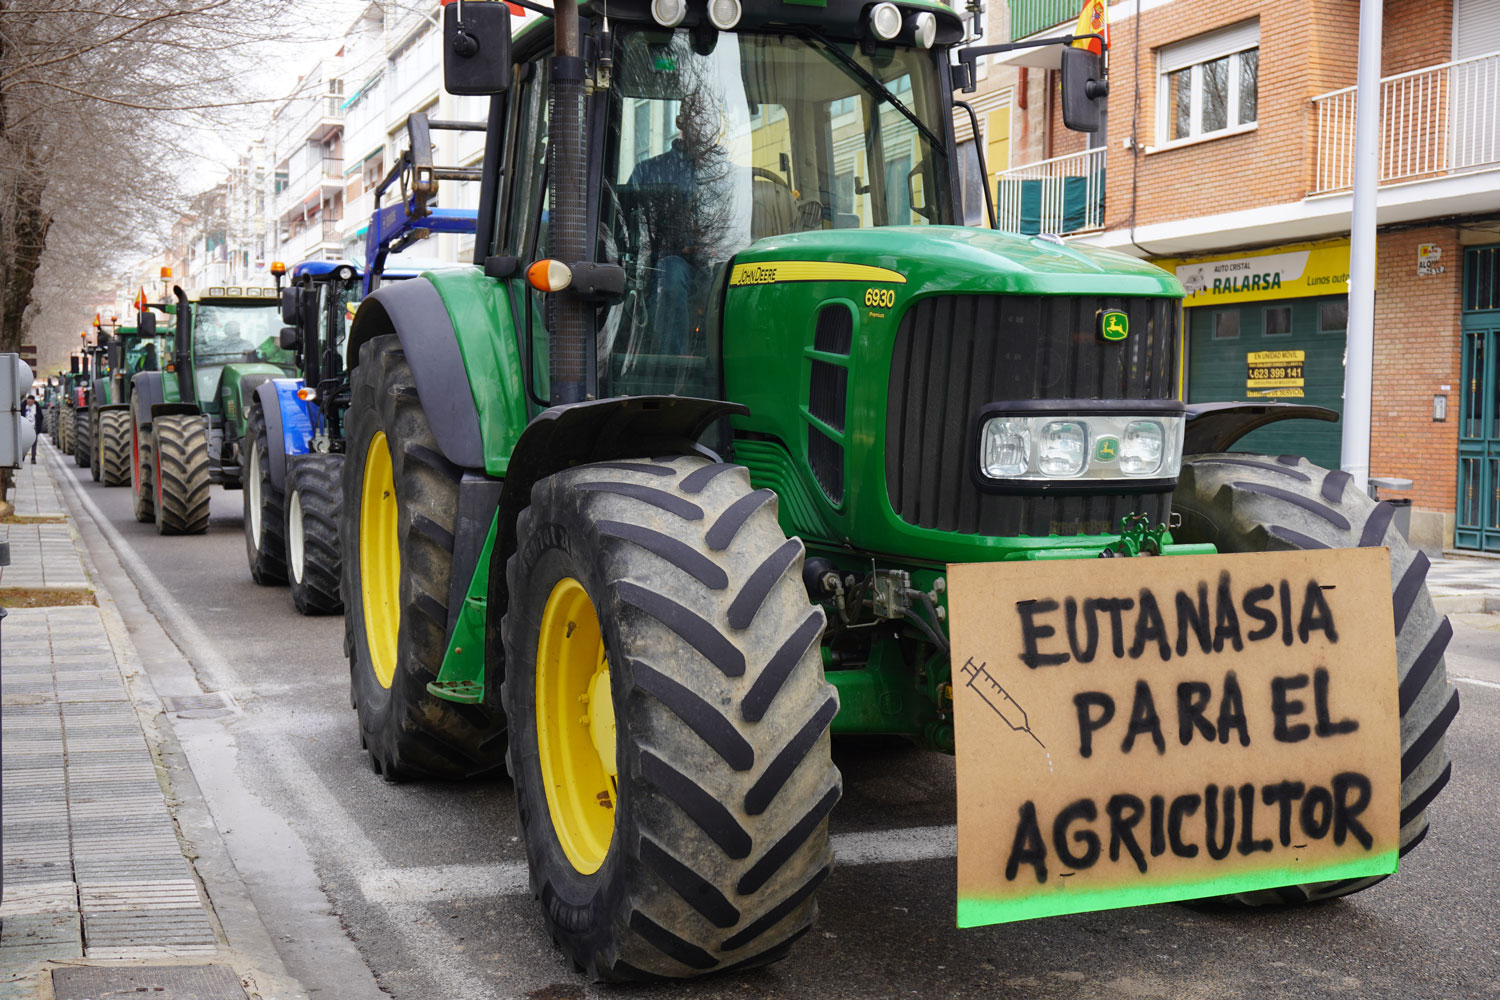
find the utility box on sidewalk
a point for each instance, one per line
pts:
(17, 431)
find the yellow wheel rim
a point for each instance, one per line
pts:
(380, 560)
(575, 726)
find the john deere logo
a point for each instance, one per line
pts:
(1114, 325)
(1106, 449)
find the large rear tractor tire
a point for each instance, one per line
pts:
(179, 455)
(1258, 503)
(81, 439)
(668, 719)
(314, 557)
(113, 458)
(400, 505)
(265, 514)
(64, 423)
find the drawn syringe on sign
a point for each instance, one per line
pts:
(999, 700)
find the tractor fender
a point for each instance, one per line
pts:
(1213, 427)
(414, 311)
(288, 427)
(148, 391)
(597, 431)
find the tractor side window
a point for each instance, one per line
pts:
(530, 170)
(525, 233)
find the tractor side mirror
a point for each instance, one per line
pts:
(288, 338)
(145, 323)
(291, 305)
(101, 339)
(1083, 90)
(73, 362)
(476, 48)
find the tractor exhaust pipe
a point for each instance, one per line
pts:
(182, 347)
(568, 314)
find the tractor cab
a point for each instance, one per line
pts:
(233, 333)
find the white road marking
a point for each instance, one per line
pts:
(1474, 680)
(421, 885)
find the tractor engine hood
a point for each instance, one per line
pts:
(948, 259)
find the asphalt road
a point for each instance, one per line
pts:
(428, 880)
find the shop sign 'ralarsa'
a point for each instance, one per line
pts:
(1232, 725)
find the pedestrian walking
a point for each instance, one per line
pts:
(33, 409)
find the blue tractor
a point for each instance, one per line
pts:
(294, 452)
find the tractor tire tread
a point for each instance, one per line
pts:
(1233, 502)
(317, 482)
(114, 447)
(180, 461)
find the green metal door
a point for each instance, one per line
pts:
(1477, 524)
(1225, 339)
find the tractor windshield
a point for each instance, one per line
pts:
(337, 302)
(225, 334)
(712, 147)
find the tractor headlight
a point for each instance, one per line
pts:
(1061, 448)
(724, 14)
(1007, 448)
(668, 13)
(885, 21)
(1095, 441)
(1142, 447)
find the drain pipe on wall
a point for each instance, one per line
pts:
(1359, 360)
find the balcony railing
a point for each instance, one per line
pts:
(1433, 122)
(1062, 195)
(1027, 17)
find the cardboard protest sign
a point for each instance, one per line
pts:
(1135, 731)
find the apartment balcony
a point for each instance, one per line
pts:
(322, 116)
(310, 187)
(1434, 122)
(1027, 17)
(1062, 195)
(320, 240)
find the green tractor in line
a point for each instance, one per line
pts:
(127, 351)
(661, 493)
(188, 421)
(71, 426)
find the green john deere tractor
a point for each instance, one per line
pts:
(129, 350)
(662, 493)
(188, 421)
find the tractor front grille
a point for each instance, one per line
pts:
(955, 353)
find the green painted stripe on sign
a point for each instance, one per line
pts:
(979, 912)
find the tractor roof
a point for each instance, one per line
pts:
(321, 268)
(838, 18)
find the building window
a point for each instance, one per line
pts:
(1333, 315)
(1227, 325)
(1209, 84)
(1279, 321)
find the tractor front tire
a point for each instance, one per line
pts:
(264, 505)
(1259, 503)
(179, 455)
(314, 557)
(143, 478)
(63, 422)
(669, 719)
(81, 439)
(114, 447)
(397, 531)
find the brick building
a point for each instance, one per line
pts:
(1227, 157)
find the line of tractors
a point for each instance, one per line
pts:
(657, 495)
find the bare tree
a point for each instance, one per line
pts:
(102, 104)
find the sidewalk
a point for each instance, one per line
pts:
(100, 895)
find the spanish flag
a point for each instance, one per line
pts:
(1093, 20)
(98, 321)
(140, 300)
